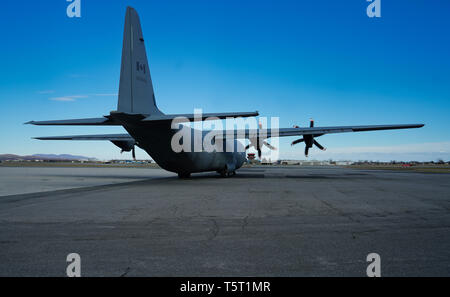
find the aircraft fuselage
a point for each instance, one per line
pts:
(156, 140)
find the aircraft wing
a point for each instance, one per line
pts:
(200, 117)
(316, 131)
(250, 133)
(342, 129)
(110, 137)
(104, 121)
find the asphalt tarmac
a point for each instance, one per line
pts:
(265, 221)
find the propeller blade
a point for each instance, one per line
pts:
(259, 153)
(319, 146)
(297, 141)
(247, 147)
(269, 146)
(134, 153)
(311, 123)
(306, 151)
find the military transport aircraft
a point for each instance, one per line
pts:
(152, 130)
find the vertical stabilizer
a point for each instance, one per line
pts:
(136, 89)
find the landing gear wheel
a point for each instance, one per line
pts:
(225, 173)
(231, 173)
(183, 175)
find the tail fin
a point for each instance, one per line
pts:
(136, 94)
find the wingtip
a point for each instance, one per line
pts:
(418, 125)
(29, 123)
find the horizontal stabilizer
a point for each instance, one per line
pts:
(200, 117)
(77, 122)
(110, 137)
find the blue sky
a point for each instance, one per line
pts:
(292, 59)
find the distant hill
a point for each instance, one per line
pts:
(63, 157)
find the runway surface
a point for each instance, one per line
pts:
(266, 221)
(22, 180)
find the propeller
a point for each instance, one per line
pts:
(257, 143)
(309, 140)
(133, 152)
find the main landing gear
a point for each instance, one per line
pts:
(183, 175)
(226, 173)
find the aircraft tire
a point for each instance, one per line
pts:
(183, 175)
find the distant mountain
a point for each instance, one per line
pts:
(9, 157)
(47, 157)
(63, 157)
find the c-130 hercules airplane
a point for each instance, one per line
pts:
(152, 130)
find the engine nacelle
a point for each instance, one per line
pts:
(125, 145)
